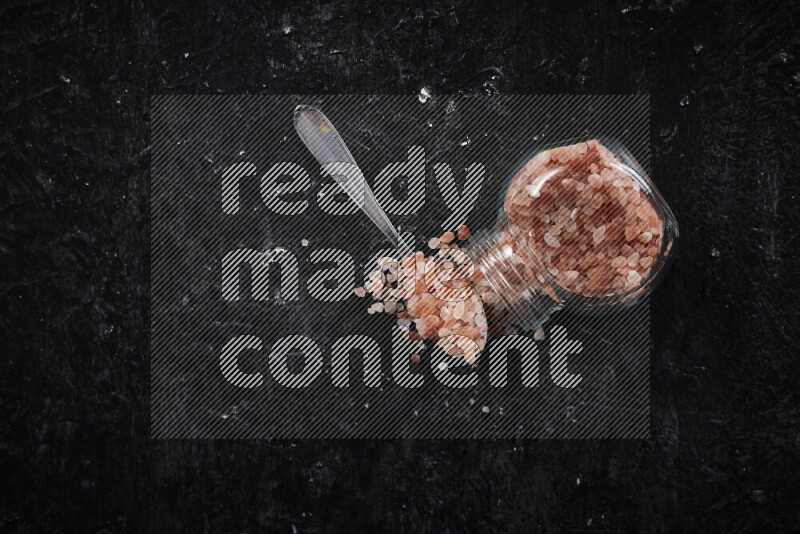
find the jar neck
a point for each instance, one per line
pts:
(516, 275)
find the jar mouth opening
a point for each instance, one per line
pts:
(531, 304)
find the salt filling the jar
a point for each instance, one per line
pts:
(590, 224)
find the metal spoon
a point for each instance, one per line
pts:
(327, 146)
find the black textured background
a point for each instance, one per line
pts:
(76, 80)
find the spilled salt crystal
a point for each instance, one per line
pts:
(424, 95)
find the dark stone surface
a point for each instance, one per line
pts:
(75, 454)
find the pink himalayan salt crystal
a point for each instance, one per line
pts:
(619, 261)
(551, 240)
(599, 235)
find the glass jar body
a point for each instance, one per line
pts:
(581, 225)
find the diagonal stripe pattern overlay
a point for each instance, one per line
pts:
(256, 250)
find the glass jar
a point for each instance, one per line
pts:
(581, 225)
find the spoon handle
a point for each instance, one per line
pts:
(327, 146)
